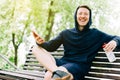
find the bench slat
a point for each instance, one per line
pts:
(95, 78)
(14, 74)
(105, 75)
(105, 70)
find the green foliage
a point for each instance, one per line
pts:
(39, 14)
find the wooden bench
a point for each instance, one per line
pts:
(101, 68)
(20, 75)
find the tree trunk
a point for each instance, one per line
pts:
(16, 55)
(15, 49)
(50, 22)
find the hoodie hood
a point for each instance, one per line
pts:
(89, 22)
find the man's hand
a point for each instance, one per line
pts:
(38, 39)
(110, 46)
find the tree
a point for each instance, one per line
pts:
(50, 20)
(14, 25)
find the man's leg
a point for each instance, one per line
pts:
(47, 60)
(48, 75)
(44, 58)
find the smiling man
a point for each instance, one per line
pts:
(82, 17)
(81, 45)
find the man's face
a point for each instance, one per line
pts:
(82, 16)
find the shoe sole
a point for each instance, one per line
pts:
(64, 78)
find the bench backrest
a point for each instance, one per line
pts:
(101, 68)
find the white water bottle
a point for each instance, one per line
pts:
(110, 55)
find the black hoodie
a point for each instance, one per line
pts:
(80, 46)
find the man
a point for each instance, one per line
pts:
(81, 45)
